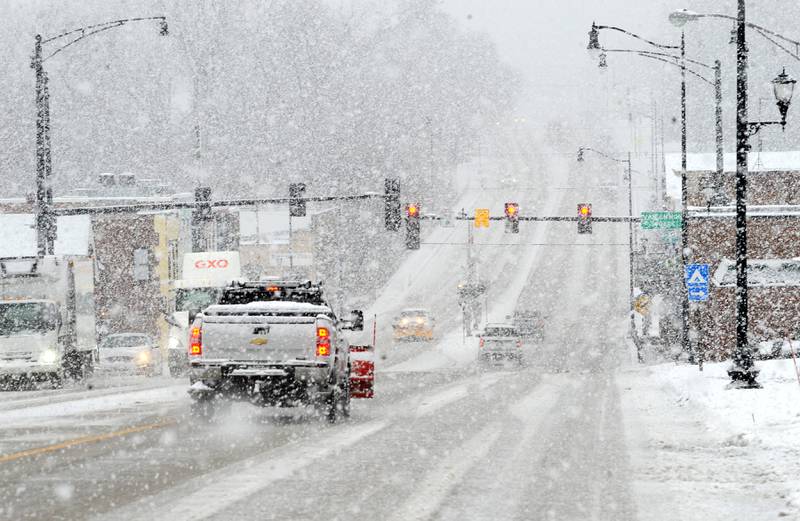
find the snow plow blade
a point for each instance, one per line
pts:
(362, 371)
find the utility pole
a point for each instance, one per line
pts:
(743, 372)
(41, 210)
(684, 202)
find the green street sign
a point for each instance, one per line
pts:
(661, 220)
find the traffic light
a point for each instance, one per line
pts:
(202, 212)
(584, 218)
(412, 226)
(392, 208)
(297, 205)
(512, 218)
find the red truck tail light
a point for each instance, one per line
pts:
(196, 341)
(481, 342)
(323, 341)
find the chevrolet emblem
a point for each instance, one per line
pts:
(258, 341)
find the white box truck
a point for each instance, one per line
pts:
(47, 318)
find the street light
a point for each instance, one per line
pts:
(627, 161)
(45, 218)
(783, 88)
(594, 48)
(594, 44)
(743, 372)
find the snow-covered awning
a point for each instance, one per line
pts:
(760, 273)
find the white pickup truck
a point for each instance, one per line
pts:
(274, 344)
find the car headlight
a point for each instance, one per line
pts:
(143, 357)
(404, 322)
(48, 356)
(420, 321)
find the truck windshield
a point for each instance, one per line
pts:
(195, 300)
(29, 317)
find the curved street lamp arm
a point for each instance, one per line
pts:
(750, 25)
(778, 45)
(79, 38)
(96, 26)
(690, 71)
(605, 155)
(664, 54)
(654, 44)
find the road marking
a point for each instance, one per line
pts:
(83, 440)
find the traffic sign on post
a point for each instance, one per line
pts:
(696, 277)
(661, 220)
(481, 218)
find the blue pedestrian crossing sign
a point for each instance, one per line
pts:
(697, 282)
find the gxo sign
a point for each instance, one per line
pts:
(211, 264)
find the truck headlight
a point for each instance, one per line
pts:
(143, 357)
(48, 356)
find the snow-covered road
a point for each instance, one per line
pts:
(580, 433)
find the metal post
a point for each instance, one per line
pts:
(291, 256)
(719, 179)
(41, 187)
(631, 260)
(684, 203)
(742, 373)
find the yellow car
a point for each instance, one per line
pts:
(413, 324)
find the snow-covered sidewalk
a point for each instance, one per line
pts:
(701, 451)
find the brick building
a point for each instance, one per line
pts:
(773, 218)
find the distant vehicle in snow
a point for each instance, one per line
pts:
(413, 324)
(47, 321)
(130, 352)
(529, 324)
(276, 344)
(499, 343)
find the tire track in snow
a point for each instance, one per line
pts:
(211, 493)
(437, 485)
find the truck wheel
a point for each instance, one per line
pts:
(330, 407)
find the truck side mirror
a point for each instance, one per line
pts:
(355, 322)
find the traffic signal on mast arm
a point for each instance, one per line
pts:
(392, 208)
(297, 205)
(512, 218)
(584, 218)
(412, 226)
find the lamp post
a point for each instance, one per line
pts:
(45, 219)
(629, 173)
(743, 372)
(595, 49)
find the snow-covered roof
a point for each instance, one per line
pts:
(18, 236)
(757, 162)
